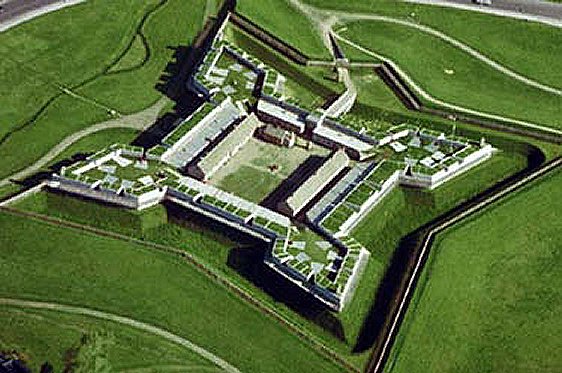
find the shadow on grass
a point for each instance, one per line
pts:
(174, 80)
(248, 262)
(289, 185)
(388, 294)
(246, 258)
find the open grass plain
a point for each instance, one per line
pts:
(402, 212)
(50, 336)
(489, 298)
(48, 96)
(451, 75)
(132, 280)
(274, 16)
(119, 71)
(523, 47)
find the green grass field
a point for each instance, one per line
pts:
(134, 58)
(489, 298)
(105, 274)
(132, 91)
(372, 91)
(250, 183)
(35, 54)
(98, 141)
(47, 336)
(35, 110)
(402, 211)
(380, 233)
(284, 21)
(309, 86)
(128, 279)
(259, 167)
(473, 84)
(529, 48)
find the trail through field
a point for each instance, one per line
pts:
(123, 321)
(529, 10)
(437, 101)
(17, 12)
(139, 121)
(169, 368)
(454, 42)
(260, 305)
(325, 20)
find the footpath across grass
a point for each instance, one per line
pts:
(530, 48)
(48, 336)
(396, 216)
(36, 115)
(35, 55)
(490, 296)
(48, 263)
(453, 76)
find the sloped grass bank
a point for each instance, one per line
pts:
(43, 262)
(489, 297)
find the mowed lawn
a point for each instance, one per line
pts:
(250, 183)
(92, 49)
(530, 48)
(490, 298)
(47, 336)
(260, 167)
(405, 209)
(287, 23)
(48, 263)
(451, 75)
(400, 212)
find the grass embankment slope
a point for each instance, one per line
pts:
(401, 212)
(405, 209)
(453, 76)
(153, 287)
(490, 296)
(36, 114)
(309, 87)
(48, 336)
(284, 21)
(530, 48)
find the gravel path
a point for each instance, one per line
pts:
(325, 20)
(15, 12)
(529, 10)
(437, 101)
(124, 321)
(139, 121)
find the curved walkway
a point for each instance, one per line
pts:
(454, 42)
(17, 12)
(169, 368)
(437, 101)
(325, 20)
(124, 321)
(506, 9)
(139, 121)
